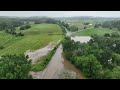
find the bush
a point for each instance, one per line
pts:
(25, 27)
(115, 34)
(107, 35)
(13, 33)
(22, 28)
(84, 27)
(20, 34)
(1, 47)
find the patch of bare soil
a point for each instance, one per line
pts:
(35, 55)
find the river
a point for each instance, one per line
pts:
(58, 63)
(56, 66)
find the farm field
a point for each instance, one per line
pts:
(35, 37)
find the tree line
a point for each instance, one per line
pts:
(68, 27)
(9, 26)
(109, 24)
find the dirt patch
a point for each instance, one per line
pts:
(37, 54)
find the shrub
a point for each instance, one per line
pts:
(115, 34)
(107, 35)
(1, 47)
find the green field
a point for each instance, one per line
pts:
(35, 37)
(99, 31)
(79, 24)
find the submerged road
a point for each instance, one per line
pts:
(55, 66)
(53, 69)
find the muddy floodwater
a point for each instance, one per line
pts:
(71, 67)
(56, 66)
(81, 39)
(58, 63)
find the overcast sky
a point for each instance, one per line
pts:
(61, 13)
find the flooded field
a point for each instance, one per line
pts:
(71, 67)
(58, 63)
(81, 39)
(56, 66)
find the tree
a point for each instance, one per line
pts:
(85, 27)
(22, 28)
(27, 26)
(20, 34)
(86, 23)
(1, 47)
(105, 56)
(113, 74)
(107, 35)
(89, 65)
(116, 73)
(97, 25)
(73, 28)
(14, 67)
(67, 47)
(116, 58)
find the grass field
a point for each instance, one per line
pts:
(99, 31)
(35, 37)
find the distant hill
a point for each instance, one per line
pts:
(88, 18)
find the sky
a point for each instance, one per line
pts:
(61, 13)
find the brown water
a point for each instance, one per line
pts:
(69, 66)
(56, 66)
(81, 39)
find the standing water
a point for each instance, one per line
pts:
(71, 67)
(58, 63)
(56, 66)
(81, 39)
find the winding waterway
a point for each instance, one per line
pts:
(58, 63)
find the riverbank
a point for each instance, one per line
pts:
(54, 67)
(68, 65)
